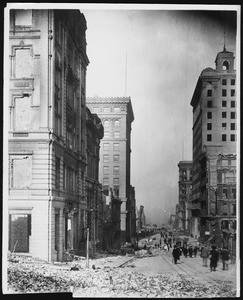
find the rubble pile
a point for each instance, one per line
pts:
(28, 275)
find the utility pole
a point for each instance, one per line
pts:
(87, 249)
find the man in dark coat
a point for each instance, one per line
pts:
(176, 254)
(214, 257)
(190, 251)
(225, 258)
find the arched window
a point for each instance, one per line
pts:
(225, 65)
(116, 123)
(106, 123)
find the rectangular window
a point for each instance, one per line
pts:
(209, 93)
(116, 190)
(232, 126)
(224, 125)
(23, 17)
(106, 170)
(223, 137)
(107, 109)
(232, 103)
(209, 137)
(224, 81)
(105, 181)
(116, 169)
(209, 115)
(232, 115)
(20, 171)
(233, 193)
(232, 81)
(22, 114)
(116, 134)
(116, 158)
(232, 137)
(64, 177)
(225, 193)
(106, 146)
(57, 177)
(232, 93)
(209, 104)
(116, 146)
(105, 158)
(106, 134)
(224, 103)
(116, 181)
(23, 63)
(209, 126)
(224, 93)
(224, 114)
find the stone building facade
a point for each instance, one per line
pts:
(117, 116)
(94, 133)
(214, 105)
(47, 117)
(185, 195)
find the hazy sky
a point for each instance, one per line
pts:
(166, 52)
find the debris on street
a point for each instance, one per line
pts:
(29, 275)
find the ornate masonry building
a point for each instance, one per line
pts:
(117, 116)
(47, 117)
(214, 105)
(185, 194)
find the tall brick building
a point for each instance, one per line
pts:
(47, 116)
(214, 105)
(117, 116)
(185, 194)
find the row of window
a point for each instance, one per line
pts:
(224, 93)
(224, 114)
(108, 134)
(107, 123)
(107, 182)
(106, 146)
(106, 158)
(106, 109)
(224, 103)
(224, 137)
(224, 125)
(232, 81)
(106, 170)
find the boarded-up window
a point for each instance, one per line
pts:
(23, 17)
(20, 171)
(19, 232)
(22, 114)
(23, 63)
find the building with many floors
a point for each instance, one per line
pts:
(47, 131)
(185, 194)
(214, 105)
(94, 133)
(117, 116)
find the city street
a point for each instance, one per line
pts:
(145, 274)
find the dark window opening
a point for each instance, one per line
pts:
(223, 137)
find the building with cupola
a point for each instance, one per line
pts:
(214, 104)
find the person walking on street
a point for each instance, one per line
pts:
(176, 254)
(184, 249)
(214, 257)
(195, 251)
(204, 255)
(225, 258)
(190, 251)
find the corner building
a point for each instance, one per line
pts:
(47, 116)
(214, 105)
(116, 114)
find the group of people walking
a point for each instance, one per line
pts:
(206, 253)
